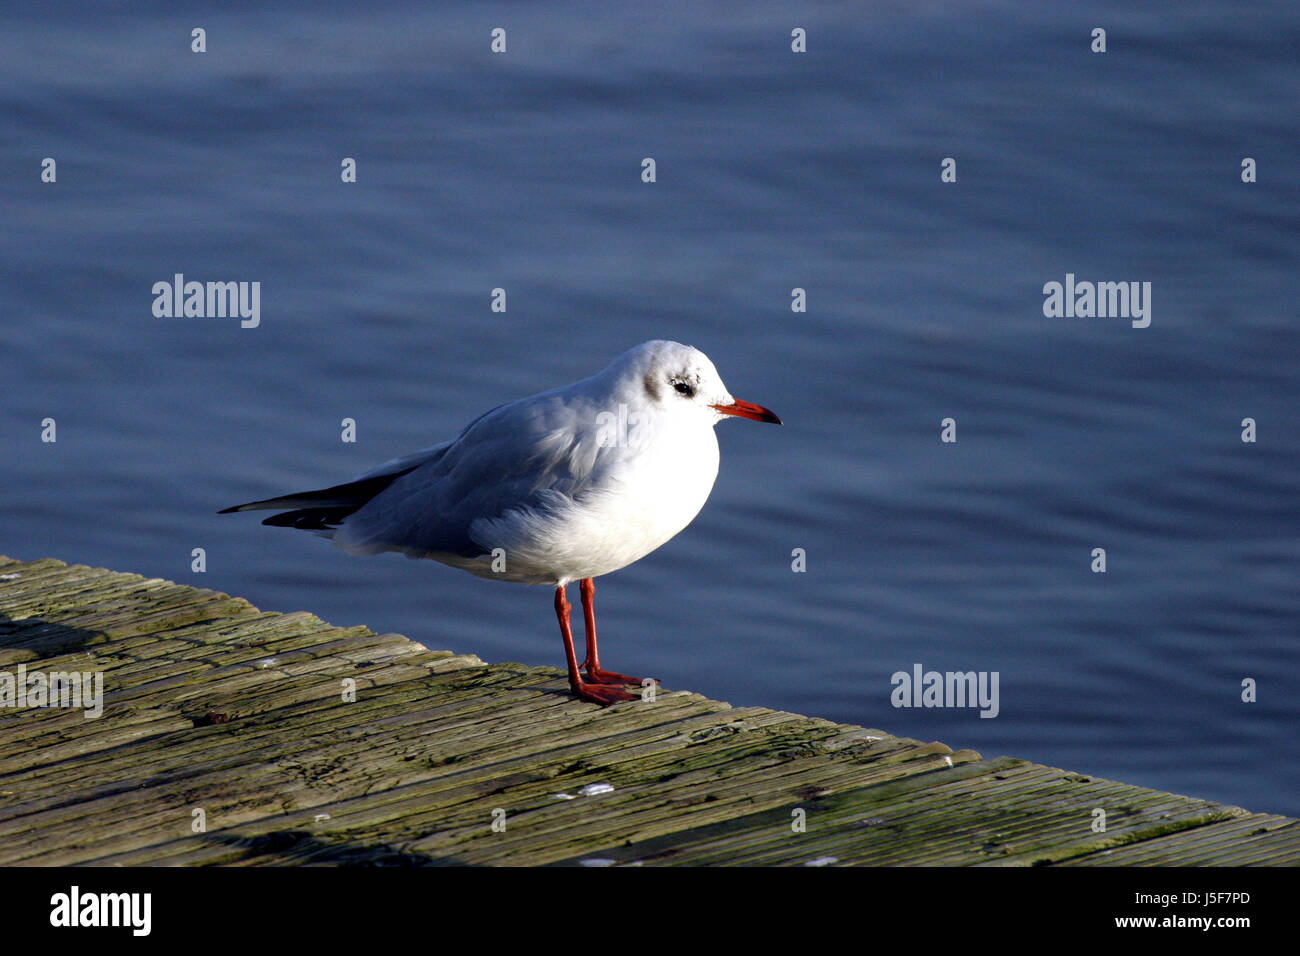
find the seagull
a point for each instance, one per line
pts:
(563, 486)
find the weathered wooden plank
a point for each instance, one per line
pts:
(423, 800)
(1248, 840)
(212, 704)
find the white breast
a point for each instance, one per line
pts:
(645, 500)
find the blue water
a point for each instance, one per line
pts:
(774, 171)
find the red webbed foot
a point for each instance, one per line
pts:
(598, 676)
(604, 694)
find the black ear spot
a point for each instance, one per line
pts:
(652, 387)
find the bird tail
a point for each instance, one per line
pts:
(322, 510)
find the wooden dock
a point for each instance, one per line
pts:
(226, 738)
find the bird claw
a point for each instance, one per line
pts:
(597, 676)
(604, 694)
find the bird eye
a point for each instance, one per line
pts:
(684, 388)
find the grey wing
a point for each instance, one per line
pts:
(524, 455)
(324, 509)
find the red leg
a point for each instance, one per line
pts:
(599, 693)
(592, 664)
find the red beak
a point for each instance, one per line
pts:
(748, 410)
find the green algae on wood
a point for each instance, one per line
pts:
(233, 736)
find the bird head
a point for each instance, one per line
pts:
(680, 380)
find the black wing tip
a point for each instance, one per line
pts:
(344, 499)
(309, 519)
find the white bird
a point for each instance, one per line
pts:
(563, 486)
